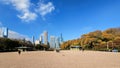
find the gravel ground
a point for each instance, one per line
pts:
(64, 59)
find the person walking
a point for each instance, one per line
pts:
(83, 49)
(19, 52)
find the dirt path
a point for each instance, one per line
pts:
(64, 59)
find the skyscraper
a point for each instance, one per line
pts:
(41, 39)
(33, 40)
(57, 41)
(4, 32)
(61, 38)
(45, 37)
(1, 32)
(52, 42)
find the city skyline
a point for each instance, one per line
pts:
(44, 38)
(71, 18)
(52, 41)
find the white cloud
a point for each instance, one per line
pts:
(24, 6)
(21, 5)
(27, 16)
(43, 9)
(15, 35)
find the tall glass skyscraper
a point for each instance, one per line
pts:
(1, 32)
(33, 40)
(61, 38)
(57, 41)
(45, 37)
(41, 39)
(5, 32)
(52, 42)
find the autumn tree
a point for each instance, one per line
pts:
(97, 40)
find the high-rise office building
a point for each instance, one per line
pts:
(52, 42)
(61, 38)
(5, 32)
(45, 37)
(57, 41)
(33, 40)
(1, 32)
(41, 39)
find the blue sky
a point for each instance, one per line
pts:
(72, 18)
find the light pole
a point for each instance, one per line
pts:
(107, 46)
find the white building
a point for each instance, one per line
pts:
(37, 42)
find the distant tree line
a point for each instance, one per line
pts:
(97, 40)
(7, 44)
(41, 47)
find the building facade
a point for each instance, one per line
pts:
(1, 32)
(41, 39)
(37, 42)
(61, 39)
(57, 41)
(52, 42)
(45, 37)
(4, 32)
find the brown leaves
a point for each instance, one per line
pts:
(97, 38)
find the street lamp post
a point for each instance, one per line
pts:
(107, 46)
